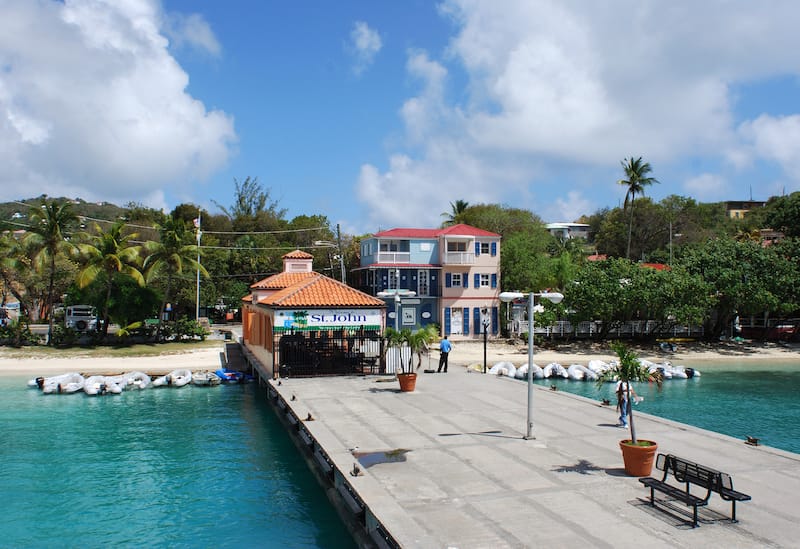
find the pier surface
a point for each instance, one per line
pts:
(470, 480)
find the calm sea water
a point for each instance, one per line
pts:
(188, 467)
(735, 400)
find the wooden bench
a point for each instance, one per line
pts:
(692, 474)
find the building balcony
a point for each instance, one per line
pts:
(459, 258)
(394, 257)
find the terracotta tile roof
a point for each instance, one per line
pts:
(281, 280)
(298, 254)
(316, 290)
(454, 230)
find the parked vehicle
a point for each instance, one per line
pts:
(82, 318)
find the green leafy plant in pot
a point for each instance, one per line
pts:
(637, 454)
(417, 343)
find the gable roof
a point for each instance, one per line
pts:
(281, 280)
(454, 230)
(312, 290)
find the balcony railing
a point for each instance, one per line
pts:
(394, 257)
(459, 258)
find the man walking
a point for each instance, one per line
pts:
(444, 350)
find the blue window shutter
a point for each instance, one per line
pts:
(447, 321)
(466, 320)
(476, 315)
(465, 280)
(494, 249)
(494, 320)
(447, 280)
(477, 280)
(494, 280)
(477, 248)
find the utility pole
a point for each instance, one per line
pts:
(341, 254)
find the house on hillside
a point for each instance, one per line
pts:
(449, 277)
(302, 323)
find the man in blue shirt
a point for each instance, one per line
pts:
(444, 350)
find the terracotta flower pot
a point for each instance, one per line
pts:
(638, 458)
(408, 381)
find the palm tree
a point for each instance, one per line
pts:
(420, 341)
(636, 180)
(626, 370)
(456, 213)
(109, 253)
(170, 256)
(46, 239)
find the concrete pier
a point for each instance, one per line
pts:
(469, 479)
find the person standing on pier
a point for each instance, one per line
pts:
(444, 350)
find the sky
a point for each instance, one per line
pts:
(380, 114)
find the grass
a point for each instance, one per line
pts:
(42, 351)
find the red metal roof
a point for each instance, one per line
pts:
(454, 230)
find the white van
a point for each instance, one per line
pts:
(81, 317)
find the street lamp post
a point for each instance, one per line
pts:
(554, 297)
(329, 244)
(485, 321)
(398, 295)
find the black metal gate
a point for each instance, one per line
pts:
(307, 353)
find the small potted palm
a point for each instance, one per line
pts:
(637, 454)
(417, 343)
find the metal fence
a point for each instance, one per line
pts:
(306, 353)
(590, 329)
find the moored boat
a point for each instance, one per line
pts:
(101, 385)
(176, 378)
(205, 379)
(65, 383)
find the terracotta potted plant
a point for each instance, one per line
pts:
(417, 343)
(637, 454)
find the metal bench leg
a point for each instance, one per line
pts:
(652, 497)
(733, 511)
(695, 523)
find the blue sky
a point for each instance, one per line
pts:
(379, 114)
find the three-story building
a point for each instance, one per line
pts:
(448, 276)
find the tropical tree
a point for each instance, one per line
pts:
(168, 258)
(628, 369)
(106, 254)
(420, 340)
(46, 238)
(636, 179)
(454, 216)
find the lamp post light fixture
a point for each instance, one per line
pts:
(554, 297)
(398, 295)
(329, 244)
(485, 321)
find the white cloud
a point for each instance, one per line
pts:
(93, 105)
(365, 43)
(557, 89)
(776, 139)
(573, 206)
(705, 187)
(192, 30)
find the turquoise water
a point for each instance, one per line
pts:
(189, 467)
(762, 403)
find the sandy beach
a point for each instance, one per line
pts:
(28, 363)
(15, 362)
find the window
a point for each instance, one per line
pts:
(456, 246)
(455, 281)
(485, 248)
(422, 282)
(484, 281)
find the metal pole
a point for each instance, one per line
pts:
(197, 300)
(529, 434)
(341, 255)
(485, 334)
